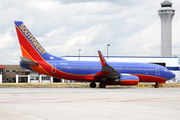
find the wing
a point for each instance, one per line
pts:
(107, 71)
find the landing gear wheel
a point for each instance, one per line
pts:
(102, 85)
(156, 85)
(92, 85)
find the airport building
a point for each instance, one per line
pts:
(17, 74)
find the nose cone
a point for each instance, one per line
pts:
(171, 75)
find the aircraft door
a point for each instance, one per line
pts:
(157, 70)
(53, 68)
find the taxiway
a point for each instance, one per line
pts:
(89, 104)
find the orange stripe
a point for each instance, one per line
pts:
(38, 68)
(29, 42)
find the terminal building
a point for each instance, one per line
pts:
(17, 74)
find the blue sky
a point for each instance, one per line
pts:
(63, 26)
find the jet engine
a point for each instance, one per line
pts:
(127, 80)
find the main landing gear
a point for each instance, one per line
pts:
(156, 85)
(101, 85)
(92, 85)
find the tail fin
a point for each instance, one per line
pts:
(30, 47)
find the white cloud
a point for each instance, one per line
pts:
(145, 42)
(6, 40)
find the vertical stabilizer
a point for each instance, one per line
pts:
(30, 47)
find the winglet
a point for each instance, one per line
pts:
(103, 61)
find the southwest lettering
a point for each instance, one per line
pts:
(22, 26)
(35, 43)
(32, 39)
(40, 49)
(43, 52)
(30, 36)
(27, 34)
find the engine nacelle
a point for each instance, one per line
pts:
(127, 80)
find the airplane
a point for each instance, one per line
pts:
(36, 58)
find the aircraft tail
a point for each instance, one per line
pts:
(30, 47)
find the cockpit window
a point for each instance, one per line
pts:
(165, 69)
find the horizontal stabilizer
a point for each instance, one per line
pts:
(27, 61)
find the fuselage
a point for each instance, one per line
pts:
(86, 70)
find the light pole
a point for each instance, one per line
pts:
(79, 54)
(107, 50)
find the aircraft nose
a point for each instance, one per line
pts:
(172, 75)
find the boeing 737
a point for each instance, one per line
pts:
(36, 58)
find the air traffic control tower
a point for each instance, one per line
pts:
(166, 14)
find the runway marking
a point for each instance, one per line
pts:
(82, 100)
(137, 100)
(57, 100)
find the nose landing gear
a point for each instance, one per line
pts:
(156, 85)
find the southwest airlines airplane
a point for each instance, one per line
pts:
(37, 59)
